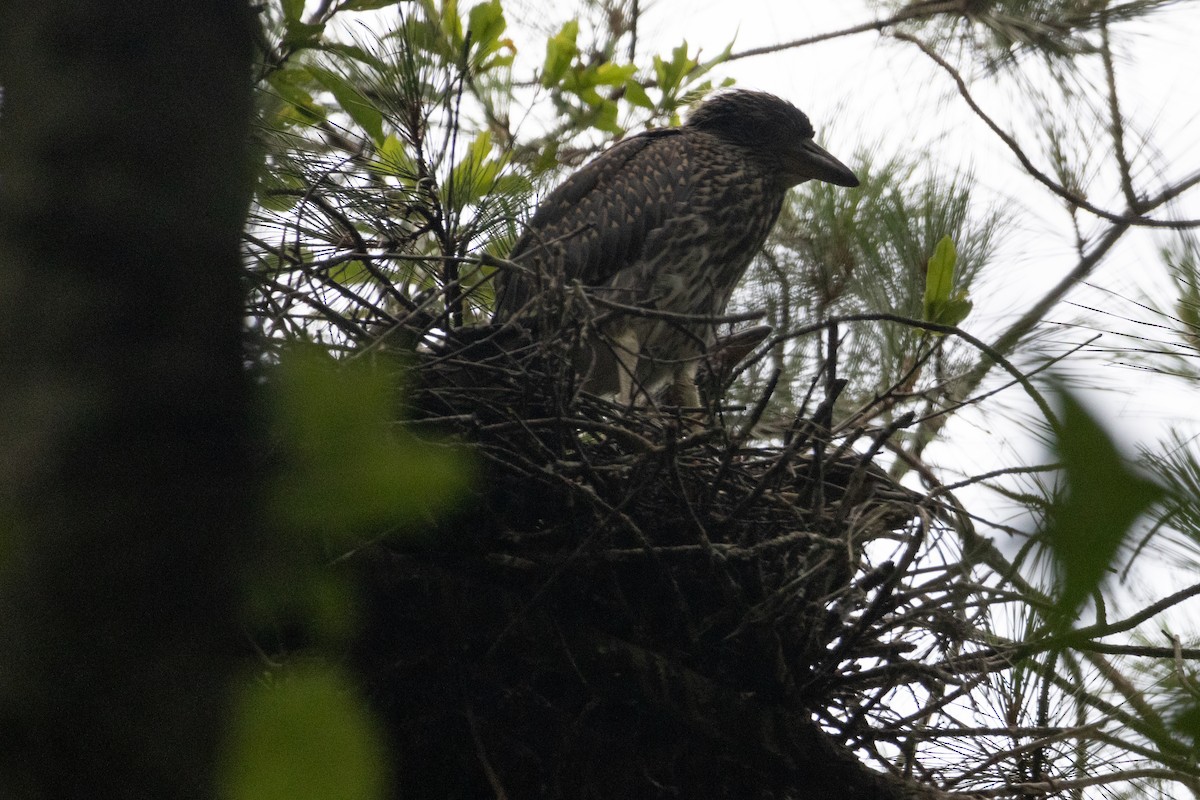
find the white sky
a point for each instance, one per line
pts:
(865, 88)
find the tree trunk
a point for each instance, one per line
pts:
(124, 433)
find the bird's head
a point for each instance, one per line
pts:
(774, 130)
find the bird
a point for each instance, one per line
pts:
(657, 231)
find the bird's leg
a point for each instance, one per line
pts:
(626, 349)
(683, 391)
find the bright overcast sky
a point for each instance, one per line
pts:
(865, 89)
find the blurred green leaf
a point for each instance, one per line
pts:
(610, 74)
(293, 589)
(1182, 258)
(699, 69)
(300, 34)
(350, 273)
(475, 175)
(292, 9)
(479, 176)
(394, 159)
(291, 84)
(942, 304)
(547, 159)
(1103, 497)
(939, 278)
(352, 101)
(955, 310)
(1187, 720)
(367, 5)
(308, 735)
(670, 74)
(344, 465)
(485, 23)
(635, 93)
(451, 24)
(561, 52)
(512, 185)
(277, 190)
(354, 52)
(606, 117)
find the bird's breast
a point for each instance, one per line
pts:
(693, 262)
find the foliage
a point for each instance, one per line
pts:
(867, 252)
(397, 164)
(304, 733)
(342, 473)
(943, 304)
(999, 33)
(1102, 497)
(393, 164)
(343, 469)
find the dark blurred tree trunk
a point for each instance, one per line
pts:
(124, 485)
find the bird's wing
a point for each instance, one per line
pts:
(599, 220)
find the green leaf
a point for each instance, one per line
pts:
(485, 23)
(512, 185)
(610, 74)
(939, 276)
(353, 52)
(451, 24)
(954, 310)
(943, 304)
(1187, 718)
(292, 9)
(670, 74)
(352, 101)
(719, 58)
(1183, 260)
(307, 734)
(580, 82)
(476, 175)
(635, 93)
(547, 159)
(606, 117)
(299, 34)
(344, 466)
(289, 84)
(351, 273)
(691, 69)
(277, 191)
(367, 5)
(1103, 497)
(561, 52)
(394, 160)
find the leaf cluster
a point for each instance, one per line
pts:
(1000, 34)
(837, 253)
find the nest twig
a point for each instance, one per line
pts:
(638, 605)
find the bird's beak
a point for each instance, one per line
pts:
(813, 162)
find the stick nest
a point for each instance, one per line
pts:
(637, 603)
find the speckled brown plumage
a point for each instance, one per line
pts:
(667, 220)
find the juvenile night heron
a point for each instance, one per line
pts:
(666, 221)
